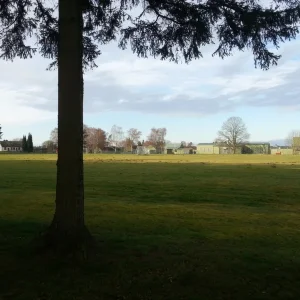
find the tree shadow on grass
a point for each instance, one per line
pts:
(132, 265)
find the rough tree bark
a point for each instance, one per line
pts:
(67, 232)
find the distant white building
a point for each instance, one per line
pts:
(11, 146)
(142, 150)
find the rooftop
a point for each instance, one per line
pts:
(172, 146)
(6, 143)
(258, 143)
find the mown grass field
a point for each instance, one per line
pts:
(168, 227)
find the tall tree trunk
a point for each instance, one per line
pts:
(67, 231)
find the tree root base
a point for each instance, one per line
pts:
(78, 245)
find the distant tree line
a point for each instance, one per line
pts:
(98, 140)
(232, 135)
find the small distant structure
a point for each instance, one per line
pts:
(186, 150)
(177, 148)
(281, 150)
(172, 148)
(142, 150)
(11, 146)
(145, 150)
(247, 148)
(211, 148)
(256, 148)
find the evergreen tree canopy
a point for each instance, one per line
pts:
(169, 29)
(29, 143)
(1, 133)
(24, 144)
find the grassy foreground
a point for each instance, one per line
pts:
(169, 227)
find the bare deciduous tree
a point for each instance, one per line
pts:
(233, 133)
(290, 137)
(96, 139)
(293, 140)
(116, 137)
(147, 143)
(49, 145)
(128, 144)
(183, 144)
(157, 138)
(54, 136)
(133, 136)
(84, 134)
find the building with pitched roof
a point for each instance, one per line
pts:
(11, 146)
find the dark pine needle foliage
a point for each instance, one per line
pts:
(171, 29)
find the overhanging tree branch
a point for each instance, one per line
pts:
(179, 30)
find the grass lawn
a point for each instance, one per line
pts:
(169, 227)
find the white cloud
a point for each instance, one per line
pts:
(14, 110)
(125, 83)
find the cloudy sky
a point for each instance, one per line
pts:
(191, 101)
